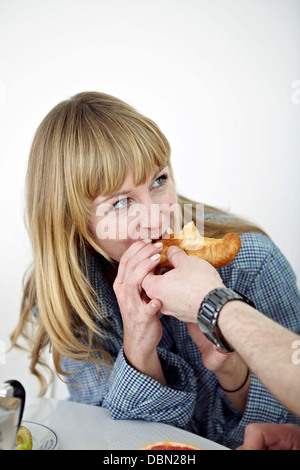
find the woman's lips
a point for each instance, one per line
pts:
(165, 235)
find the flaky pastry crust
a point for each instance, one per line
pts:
(218, 252)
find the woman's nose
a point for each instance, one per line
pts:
(151, 219)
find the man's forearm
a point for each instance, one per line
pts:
(266, 347)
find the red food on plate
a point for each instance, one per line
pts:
(169, 445)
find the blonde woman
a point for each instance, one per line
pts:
(94, 161)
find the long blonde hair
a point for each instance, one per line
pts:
(84, 147)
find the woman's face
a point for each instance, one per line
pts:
(134, 212)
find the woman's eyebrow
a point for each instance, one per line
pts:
(112, 196)
(125, 190)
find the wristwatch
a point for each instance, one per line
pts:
(209, 312)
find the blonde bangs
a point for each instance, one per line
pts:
(116, 142)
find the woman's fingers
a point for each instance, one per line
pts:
(137, 261)
(128, 256)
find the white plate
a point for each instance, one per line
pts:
(43, 438)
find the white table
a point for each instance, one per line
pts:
(82, 426)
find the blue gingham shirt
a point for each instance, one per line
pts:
(193, 399)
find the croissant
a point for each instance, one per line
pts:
(218, 252)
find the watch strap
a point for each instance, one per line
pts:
(209, 311)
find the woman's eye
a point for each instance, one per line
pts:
(160, 181)
(121, 203)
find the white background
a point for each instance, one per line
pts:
(220, 77)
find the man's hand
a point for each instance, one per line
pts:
(271, 436)
(182, 289)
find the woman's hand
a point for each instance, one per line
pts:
(212, 358)
(231, 371)
(142, 327)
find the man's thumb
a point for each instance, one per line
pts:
(147, 282)
(176, 256)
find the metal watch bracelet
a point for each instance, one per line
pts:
(209, 311)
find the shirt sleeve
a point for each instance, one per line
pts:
(133, 395)
(129, 394)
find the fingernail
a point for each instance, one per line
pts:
(159, 244)
(147, 240)
(155, 257)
